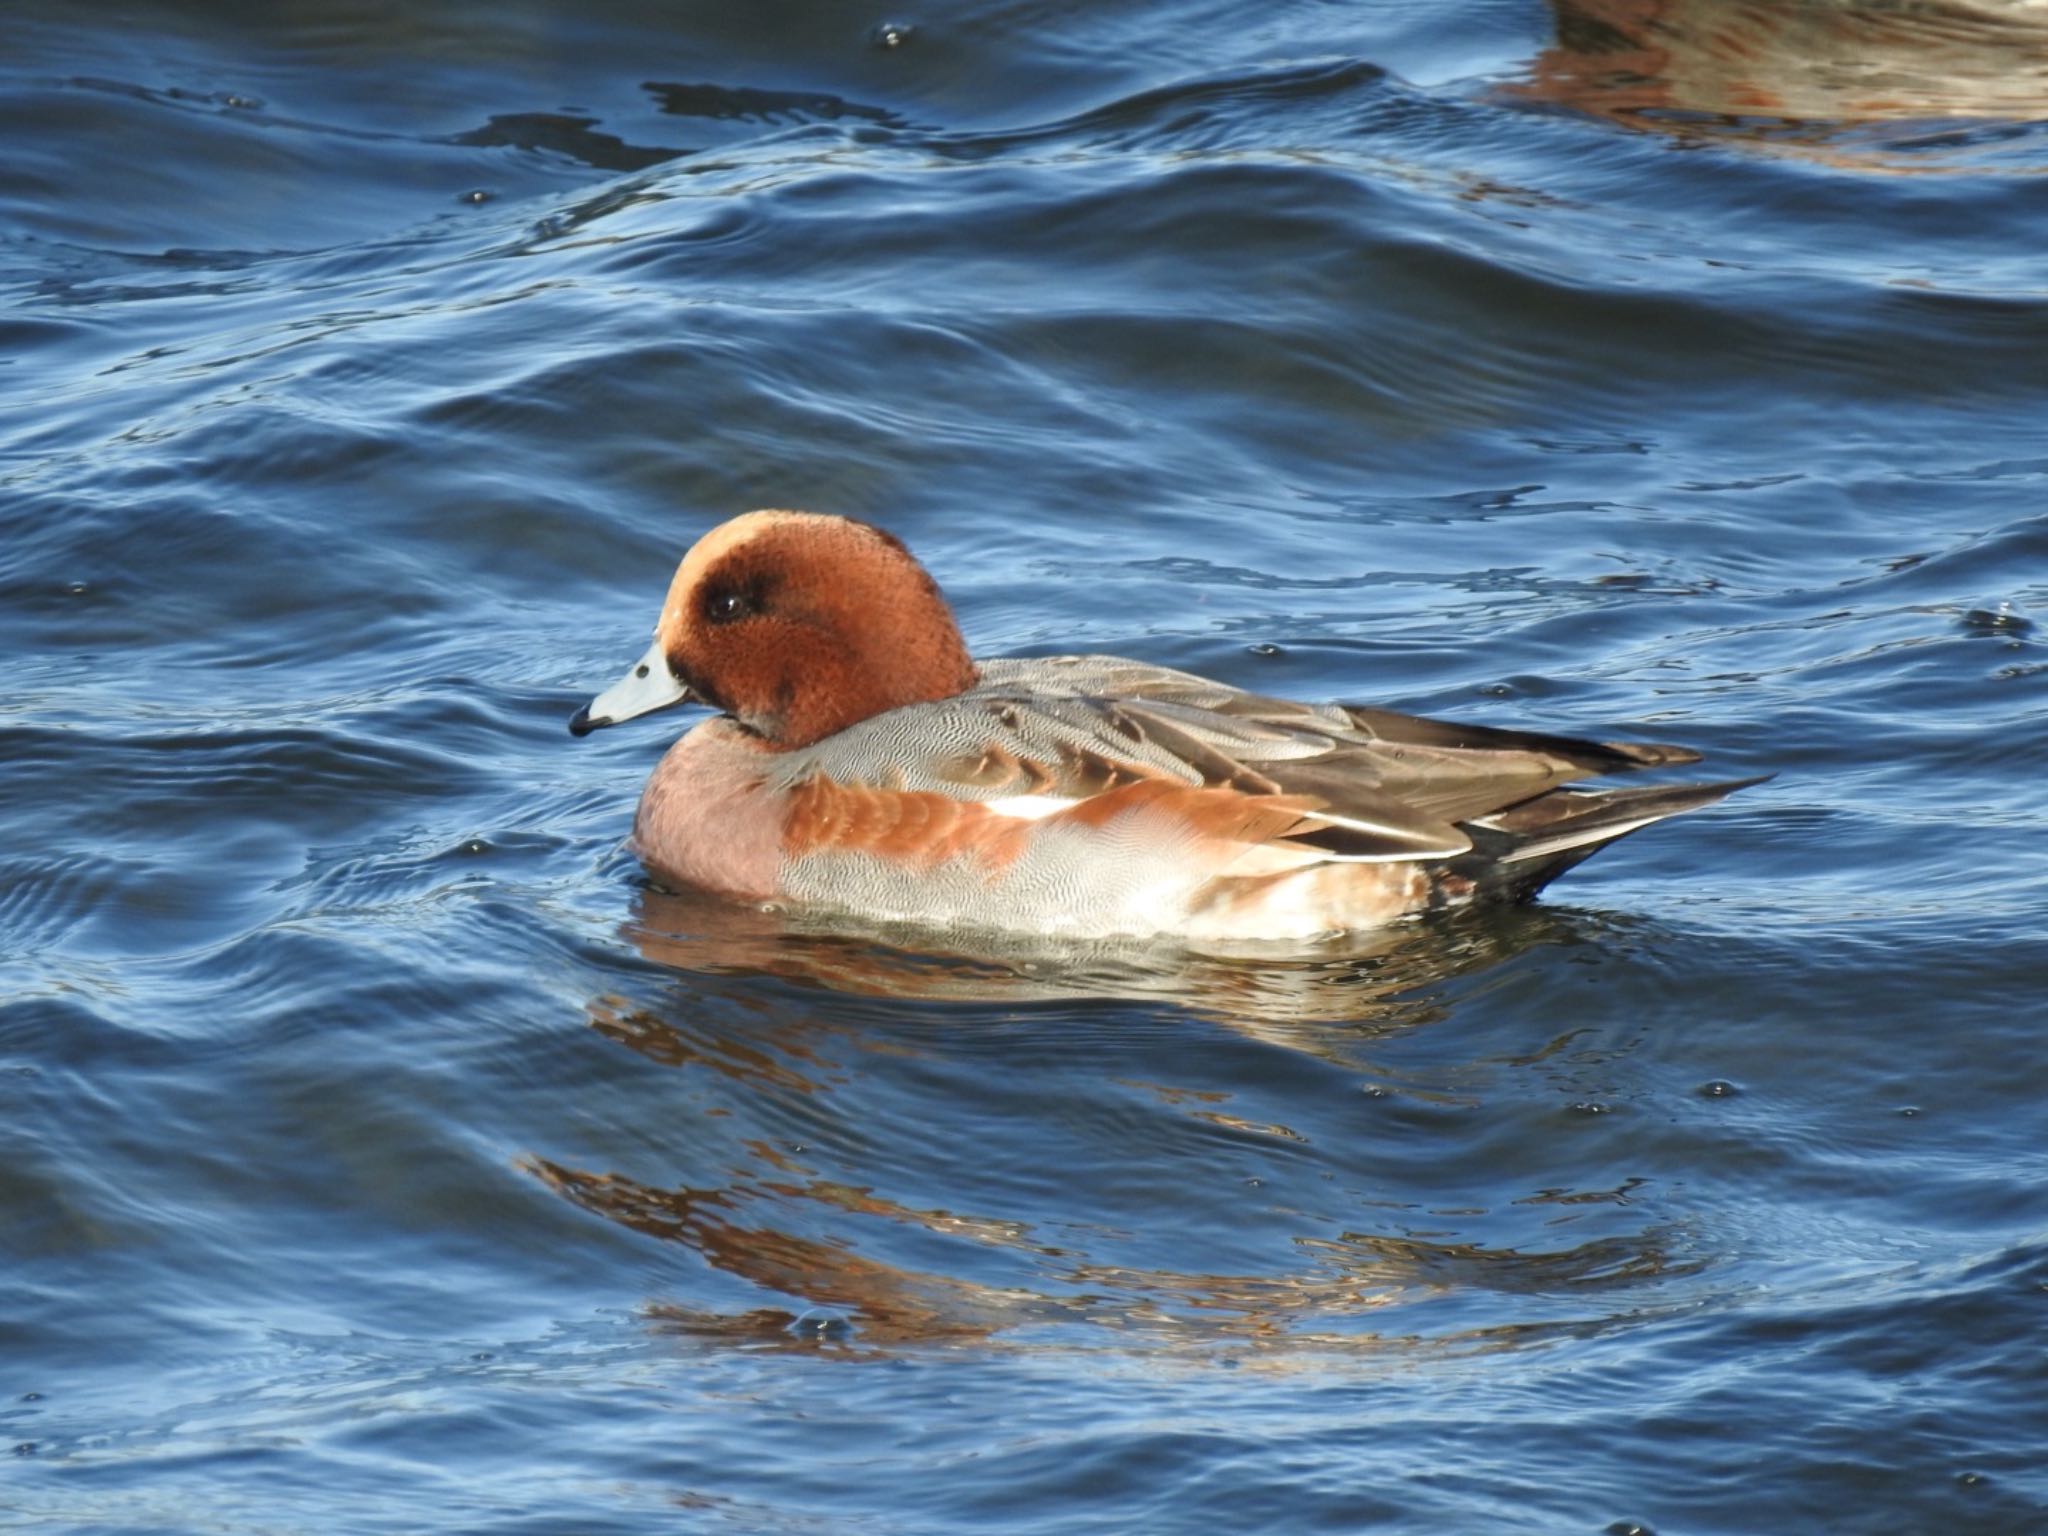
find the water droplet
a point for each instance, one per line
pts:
(1719, 1088)
(1629, 1528)
(483, 1354)
(475, 195)
(1254, 1183)
(31, 1397)
(1377, 1091)
(476, 845)
(77, 588)
(1909, 1111)
(235, 101)
(821, 1323)
(26, 1448)
(1590, 1107)
(892, 34)
(1266, 648)
(1971, 1480)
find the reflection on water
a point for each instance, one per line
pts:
(1377, 978)
(773, 1219)
(1797, 75)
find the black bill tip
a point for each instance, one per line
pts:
(583, 725)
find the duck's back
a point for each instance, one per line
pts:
(1094, 795)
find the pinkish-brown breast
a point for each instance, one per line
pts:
(705, 819)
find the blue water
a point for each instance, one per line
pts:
(381, 1153)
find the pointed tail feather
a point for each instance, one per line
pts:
(1520, 850)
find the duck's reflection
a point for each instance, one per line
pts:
(1796, 76)
(1366, 983)
(982, 1276)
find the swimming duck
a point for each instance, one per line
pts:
(862, 761)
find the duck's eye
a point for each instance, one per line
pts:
(724, 607)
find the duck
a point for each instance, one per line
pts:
(860, 761)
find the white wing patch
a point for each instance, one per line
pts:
(1416, 846)
(1029, 807)
(1038, 807)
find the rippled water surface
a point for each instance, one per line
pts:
(383, 1153)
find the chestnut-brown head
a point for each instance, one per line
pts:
(797, 625)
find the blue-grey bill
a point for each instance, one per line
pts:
(649, 686)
